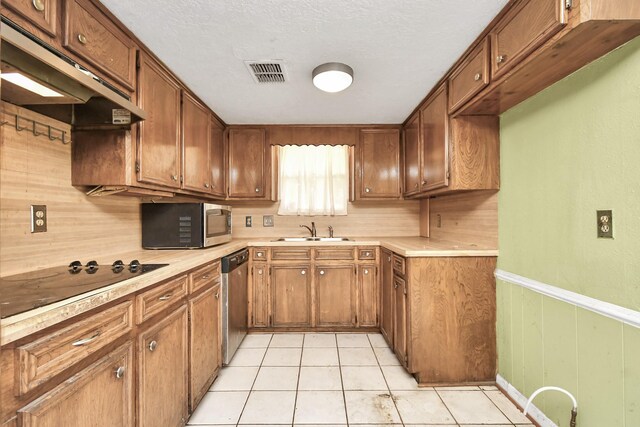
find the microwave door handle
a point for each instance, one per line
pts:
(217, 212)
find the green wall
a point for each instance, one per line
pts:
(565, 153)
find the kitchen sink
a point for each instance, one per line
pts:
(312, 239)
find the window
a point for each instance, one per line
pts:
(313, 180)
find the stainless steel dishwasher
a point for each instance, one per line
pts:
(234, 302)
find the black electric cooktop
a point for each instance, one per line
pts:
(26, 291)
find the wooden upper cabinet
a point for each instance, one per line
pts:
(41, 13)
(159, 145)
(522, 30)
(412, 153)
(216, 159)
(435, 141)
(196, 137)
(291, 295)
(91, 35)
(249, 164)
(470, 77)
(163, 372)
(335, 292)
(101, 395)
(378, 164)
(368, 295)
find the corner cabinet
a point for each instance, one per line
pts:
(378, 173)
(249, 164)
(159, 145)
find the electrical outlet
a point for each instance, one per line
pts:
(267, 220)
(247, 221)
(38, 218)
(438, 221)
(605, 224)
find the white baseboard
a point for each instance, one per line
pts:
(521, 400)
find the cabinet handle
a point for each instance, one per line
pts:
(153, 345)
(206, 185)
(82, 38)
(477, 77)
(322, 272)
(174, 177)
(86, 340)
(217, 295)
(303, 272)
(257, 190)
(367, 190)
(120, 372)
(205, 277)
(500, 59)
(166, 297)
(38, 5)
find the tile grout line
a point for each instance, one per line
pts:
(344, 394)
(494, 404)
(445, 405)
(295, 400)
(255, 379)
(385, 381)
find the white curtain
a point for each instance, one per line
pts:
(313, 180)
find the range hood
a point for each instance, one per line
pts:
(39, 78)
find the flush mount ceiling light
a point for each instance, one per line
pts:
(332, 77)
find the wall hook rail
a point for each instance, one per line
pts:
(33, 126)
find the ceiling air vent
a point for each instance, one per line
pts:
(267, 71)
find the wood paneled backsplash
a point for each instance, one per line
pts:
(393, 218)
(34, 170)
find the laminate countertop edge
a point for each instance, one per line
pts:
(181, 261)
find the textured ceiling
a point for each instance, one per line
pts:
(398, 50)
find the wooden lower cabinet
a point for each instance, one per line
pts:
(387, 295)
(205, 358)
(400, 320)
(335, 293)
(101, 395)
(163, 372)
(291, 295)
(259, 296)
(368, 295)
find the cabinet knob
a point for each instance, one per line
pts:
(38, 5)
(153, 345)
(322, 272)
(206, 185)
(82, 38)
(477, 77)
(217, 295)
(257, 189)
(395, 286)
(260, 272)
(424, 182)
(367, 190)
(389, 259)
(416, 186)
(500, 59)
(303, 272)
(174, 177)
(120, 372)
(259, 254)
(366, 271)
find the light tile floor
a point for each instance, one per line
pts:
(339, 380)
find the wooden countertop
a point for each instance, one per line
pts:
(23, 324)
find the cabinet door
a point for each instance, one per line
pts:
(435, 141)
(159, 144)
(41, 13)
(216, 159)
(247, 164)
(335, 295)
(101, 395)
(196, 134)
(400, 324)
(387, 298)
(204, 342)
(412, 153)
(379, 164)
(291, 295)
(163, 372)
(259, 296)
(367, 295)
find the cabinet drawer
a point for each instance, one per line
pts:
(159, 298)
(41, 13)
(470, 78)
(281, 253)
(522, 30)
(204, 276)
(91, 35)
(260, 254)
(367, 253)
(334, 253)
(41, 360)
(399, 265)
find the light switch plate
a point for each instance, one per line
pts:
(605, 224)
(267, 220)
(247, 221)
(38, 218)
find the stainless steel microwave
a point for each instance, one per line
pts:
(184, 225)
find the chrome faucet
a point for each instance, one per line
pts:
(330, 231)
(311, 229)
